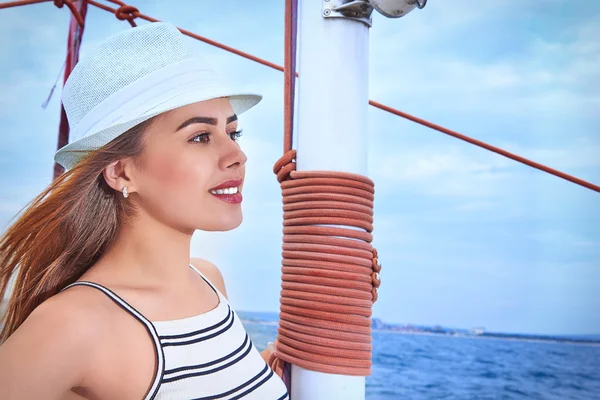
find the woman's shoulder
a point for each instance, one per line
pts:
(62, 334)
(71, 319)
(211, 272)
(72, 322)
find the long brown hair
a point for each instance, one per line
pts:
(64, 230)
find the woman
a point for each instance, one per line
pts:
(106, 304)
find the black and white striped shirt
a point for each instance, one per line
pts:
(205, 357)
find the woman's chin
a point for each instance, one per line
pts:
(224, 224)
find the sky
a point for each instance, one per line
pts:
(466, 237)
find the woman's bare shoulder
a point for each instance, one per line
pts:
(211, 271)
(55, 344)
(72, 319)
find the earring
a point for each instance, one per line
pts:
(125, 192)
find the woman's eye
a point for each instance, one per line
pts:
(205, 137)
(202, 138)
(236, 135)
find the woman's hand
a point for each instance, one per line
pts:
(266, 353)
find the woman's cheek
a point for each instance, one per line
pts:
(163, 167)
(182, 173)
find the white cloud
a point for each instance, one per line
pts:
(553, 77)
(444, 171)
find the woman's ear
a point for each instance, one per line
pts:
(117, 176)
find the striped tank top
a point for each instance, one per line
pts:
(205, 357)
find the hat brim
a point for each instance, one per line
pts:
(69, 155)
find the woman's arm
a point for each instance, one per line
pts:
(46, 356)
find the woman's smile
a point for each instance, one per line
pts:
(228, 191)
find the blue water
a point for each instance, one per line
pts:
(443, 367)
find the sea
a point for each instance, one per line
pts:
(416, 366)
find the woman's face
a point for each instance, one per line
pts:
(188, 153)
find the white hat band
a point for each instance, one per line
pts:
(147, 93)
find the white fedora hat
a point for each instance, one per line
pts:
(132, 77)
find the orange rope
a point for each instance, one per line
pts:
(329, 273)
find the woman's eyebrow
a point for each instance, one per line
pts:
(205, 120)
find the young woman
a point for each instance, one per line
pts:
(106, 303)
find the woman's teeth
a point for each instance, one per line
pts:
(231, 190)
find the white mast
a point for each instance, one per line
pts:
(333, 47)
(332, 134)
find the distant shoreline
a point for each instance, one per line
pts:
(484, 336)
(492, 337)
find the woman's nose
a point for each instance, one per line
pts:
(232, 155)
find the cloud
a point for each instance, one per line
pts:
(443, 171)
(429, 68)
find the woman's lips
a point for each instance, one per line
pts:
(228, 184)
(228, 191)
(235, 198)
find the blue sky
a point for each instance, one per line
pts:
(467, 238)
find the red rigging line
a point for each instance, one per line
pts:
(291, 13)
(20, 3)
(57, 3)
(486, 146)
(129, 13)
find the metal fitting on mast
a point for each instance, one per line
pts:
(358, 10)
(361, 10)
